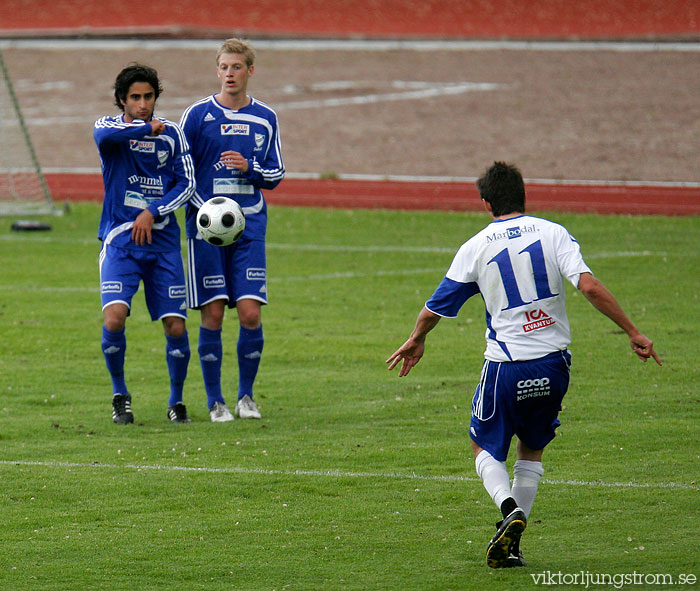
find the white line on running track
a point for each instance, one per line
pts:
(429, 179)
(355, 45)
(340, 474)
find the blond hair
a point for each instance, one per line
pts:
(237, 46)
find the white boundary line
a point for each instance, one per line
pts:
(356, 45)
(340, 474)
(84, 170)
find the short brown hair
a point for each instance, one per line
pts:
(237, 46)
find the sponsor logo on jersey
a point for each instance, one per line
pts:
(532, 388)
(142, 146)
(235, 129)
(511, 233)
(232, 187)
(209, 117)
(214, 281)
(134, 199)
(537, 319)
(150, 188)
(111, 287)
(253, 274)
(177, 291)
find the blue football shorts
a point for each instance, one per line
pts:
(231, 273)
(162, 273)
(521, 398)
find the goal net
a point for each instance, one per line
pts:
(23, 189)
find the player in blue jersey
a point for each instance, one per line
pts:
(518, 264)
(148, 173)
(235, 143)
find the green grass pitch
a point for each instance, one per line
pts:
(354, 478)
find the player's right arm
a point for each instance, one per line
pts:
(190, 127)
(604, 301)
(412, 350)
(109, 130)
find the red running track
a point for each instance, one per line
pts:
(480, 19)
(604, 199)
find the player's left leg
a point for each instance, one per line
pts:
(527, 472)
(541, 387)
(249, 349)
(249, 286)
(177, 354)
(164, 288)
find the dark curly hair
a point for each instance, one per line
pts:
(135, 73)
(503, 188)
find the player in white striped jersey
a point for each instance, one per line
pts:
(518, 264)
(235, 143)
(148, 173)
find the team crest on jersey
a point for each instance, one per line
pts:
(235, 129)
(142, 146)
(162, 157)
(259, 139)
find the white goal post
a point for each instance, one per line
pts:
(23, 188)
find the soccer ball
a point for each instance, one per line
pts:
(220, 221)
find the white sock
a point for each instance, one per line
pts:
(494, 475)
(526, 478)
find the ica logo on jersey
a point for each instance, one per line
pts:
(537, 319)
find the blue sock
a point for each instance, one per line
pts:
(114, 349)
(177, 354)
(250, 346)
(210, 353)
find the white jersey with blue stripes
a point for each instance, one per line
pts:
(142, 171)
(253, 131)
(518, 265)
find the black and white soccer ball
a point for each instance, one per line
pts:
(220, 221)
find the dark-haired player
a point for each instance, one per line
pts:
(148, 173)
(518, 264)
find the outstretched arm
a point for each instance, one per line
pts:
(412, 350)
(605, 302)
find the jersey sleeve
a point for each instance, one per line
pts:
(183, 171)
(569, 258)
(458, 285)
(190, 128)
(108, 131)
(450, 296)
